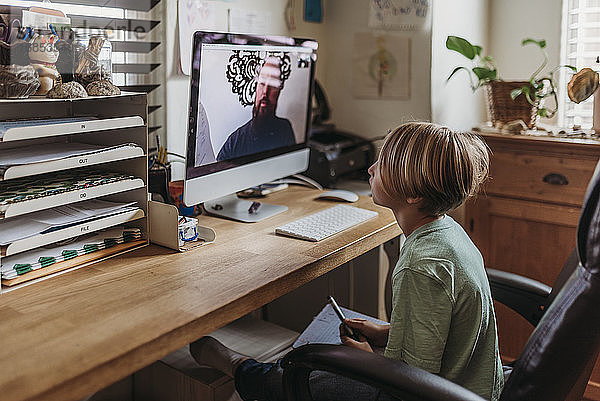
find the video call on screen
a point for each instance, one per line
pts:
(251, 99)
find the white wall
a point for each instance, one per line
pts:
(368, 117)
(498, 26)
(511, 21)
(177, 85)
(453, 103)
(341, 19)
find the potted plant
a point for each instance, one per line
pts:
(504, 101)
(484, 68)
(540, 88)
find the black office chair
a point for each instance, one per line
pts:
(554, 365)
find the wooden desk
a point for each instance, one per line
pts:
(69, 336)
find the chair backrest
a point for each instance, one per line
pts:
(566, 272)
(565, 344)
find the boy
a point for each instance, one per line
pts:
(442, 314)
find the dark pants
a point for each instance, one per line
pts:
(263, 381)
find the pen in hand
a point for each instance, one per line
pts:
(338, 311)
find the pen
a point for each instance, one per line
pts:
(338, 311)
(54, 32)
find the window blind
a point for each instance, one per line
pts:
(580, 48)
(135, 32)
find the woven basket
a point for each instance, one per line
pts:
(503, 109)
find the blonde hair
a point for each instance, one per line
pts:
(432, 162)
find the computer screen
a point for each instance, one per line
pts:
(249, 115)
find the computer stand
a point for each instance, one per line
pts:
(232, 207)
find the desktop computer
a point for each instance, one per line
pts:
(249, 118)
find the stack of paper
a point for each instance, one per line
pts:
(30, 188)
(31, 129)
(6, 125)
(41, 20)
(33, 156)
(254, 337)
(17, 265)
(42, 222)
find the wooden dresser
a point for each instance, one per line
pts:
(525, 220)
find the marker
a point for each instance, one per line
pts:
(341, 316)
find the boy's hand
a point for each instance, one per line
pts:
(376, 334)
(362, 344)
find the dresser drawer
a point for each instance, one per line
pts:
(534, 176)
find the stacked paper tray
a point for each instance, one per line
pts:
(31, 194)
(72, 231)
(31, 129)
(49, 260)
(100, 145)
(25, 162)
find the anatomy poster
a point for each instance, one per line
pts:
(381, 68)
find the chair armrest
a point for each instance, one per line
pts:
(395, 378)
(525, 296)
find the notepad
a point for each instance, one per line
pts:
(325, 327)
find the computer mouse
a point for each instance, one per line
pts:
(339, 195)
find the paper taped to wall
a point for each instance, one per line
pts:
(194, 15)
(409, 15)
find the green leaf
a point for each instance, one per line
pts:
(461, 45)
(456, 70)
(515, 93)
(542, 112)
(485, 74)
(541, 43)
(570, 67)
(477, 50)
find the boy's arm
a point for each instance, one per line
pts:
(420, 320)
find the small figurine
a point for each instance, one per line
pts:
(88, 70)
(43, 56)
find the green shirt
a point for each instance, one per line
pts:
(442, 316)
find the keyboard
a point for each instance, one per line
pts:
(326, 223)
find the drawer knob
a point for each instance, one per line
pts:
(555, 179)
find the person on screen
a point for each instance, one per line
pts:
(264, 131)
